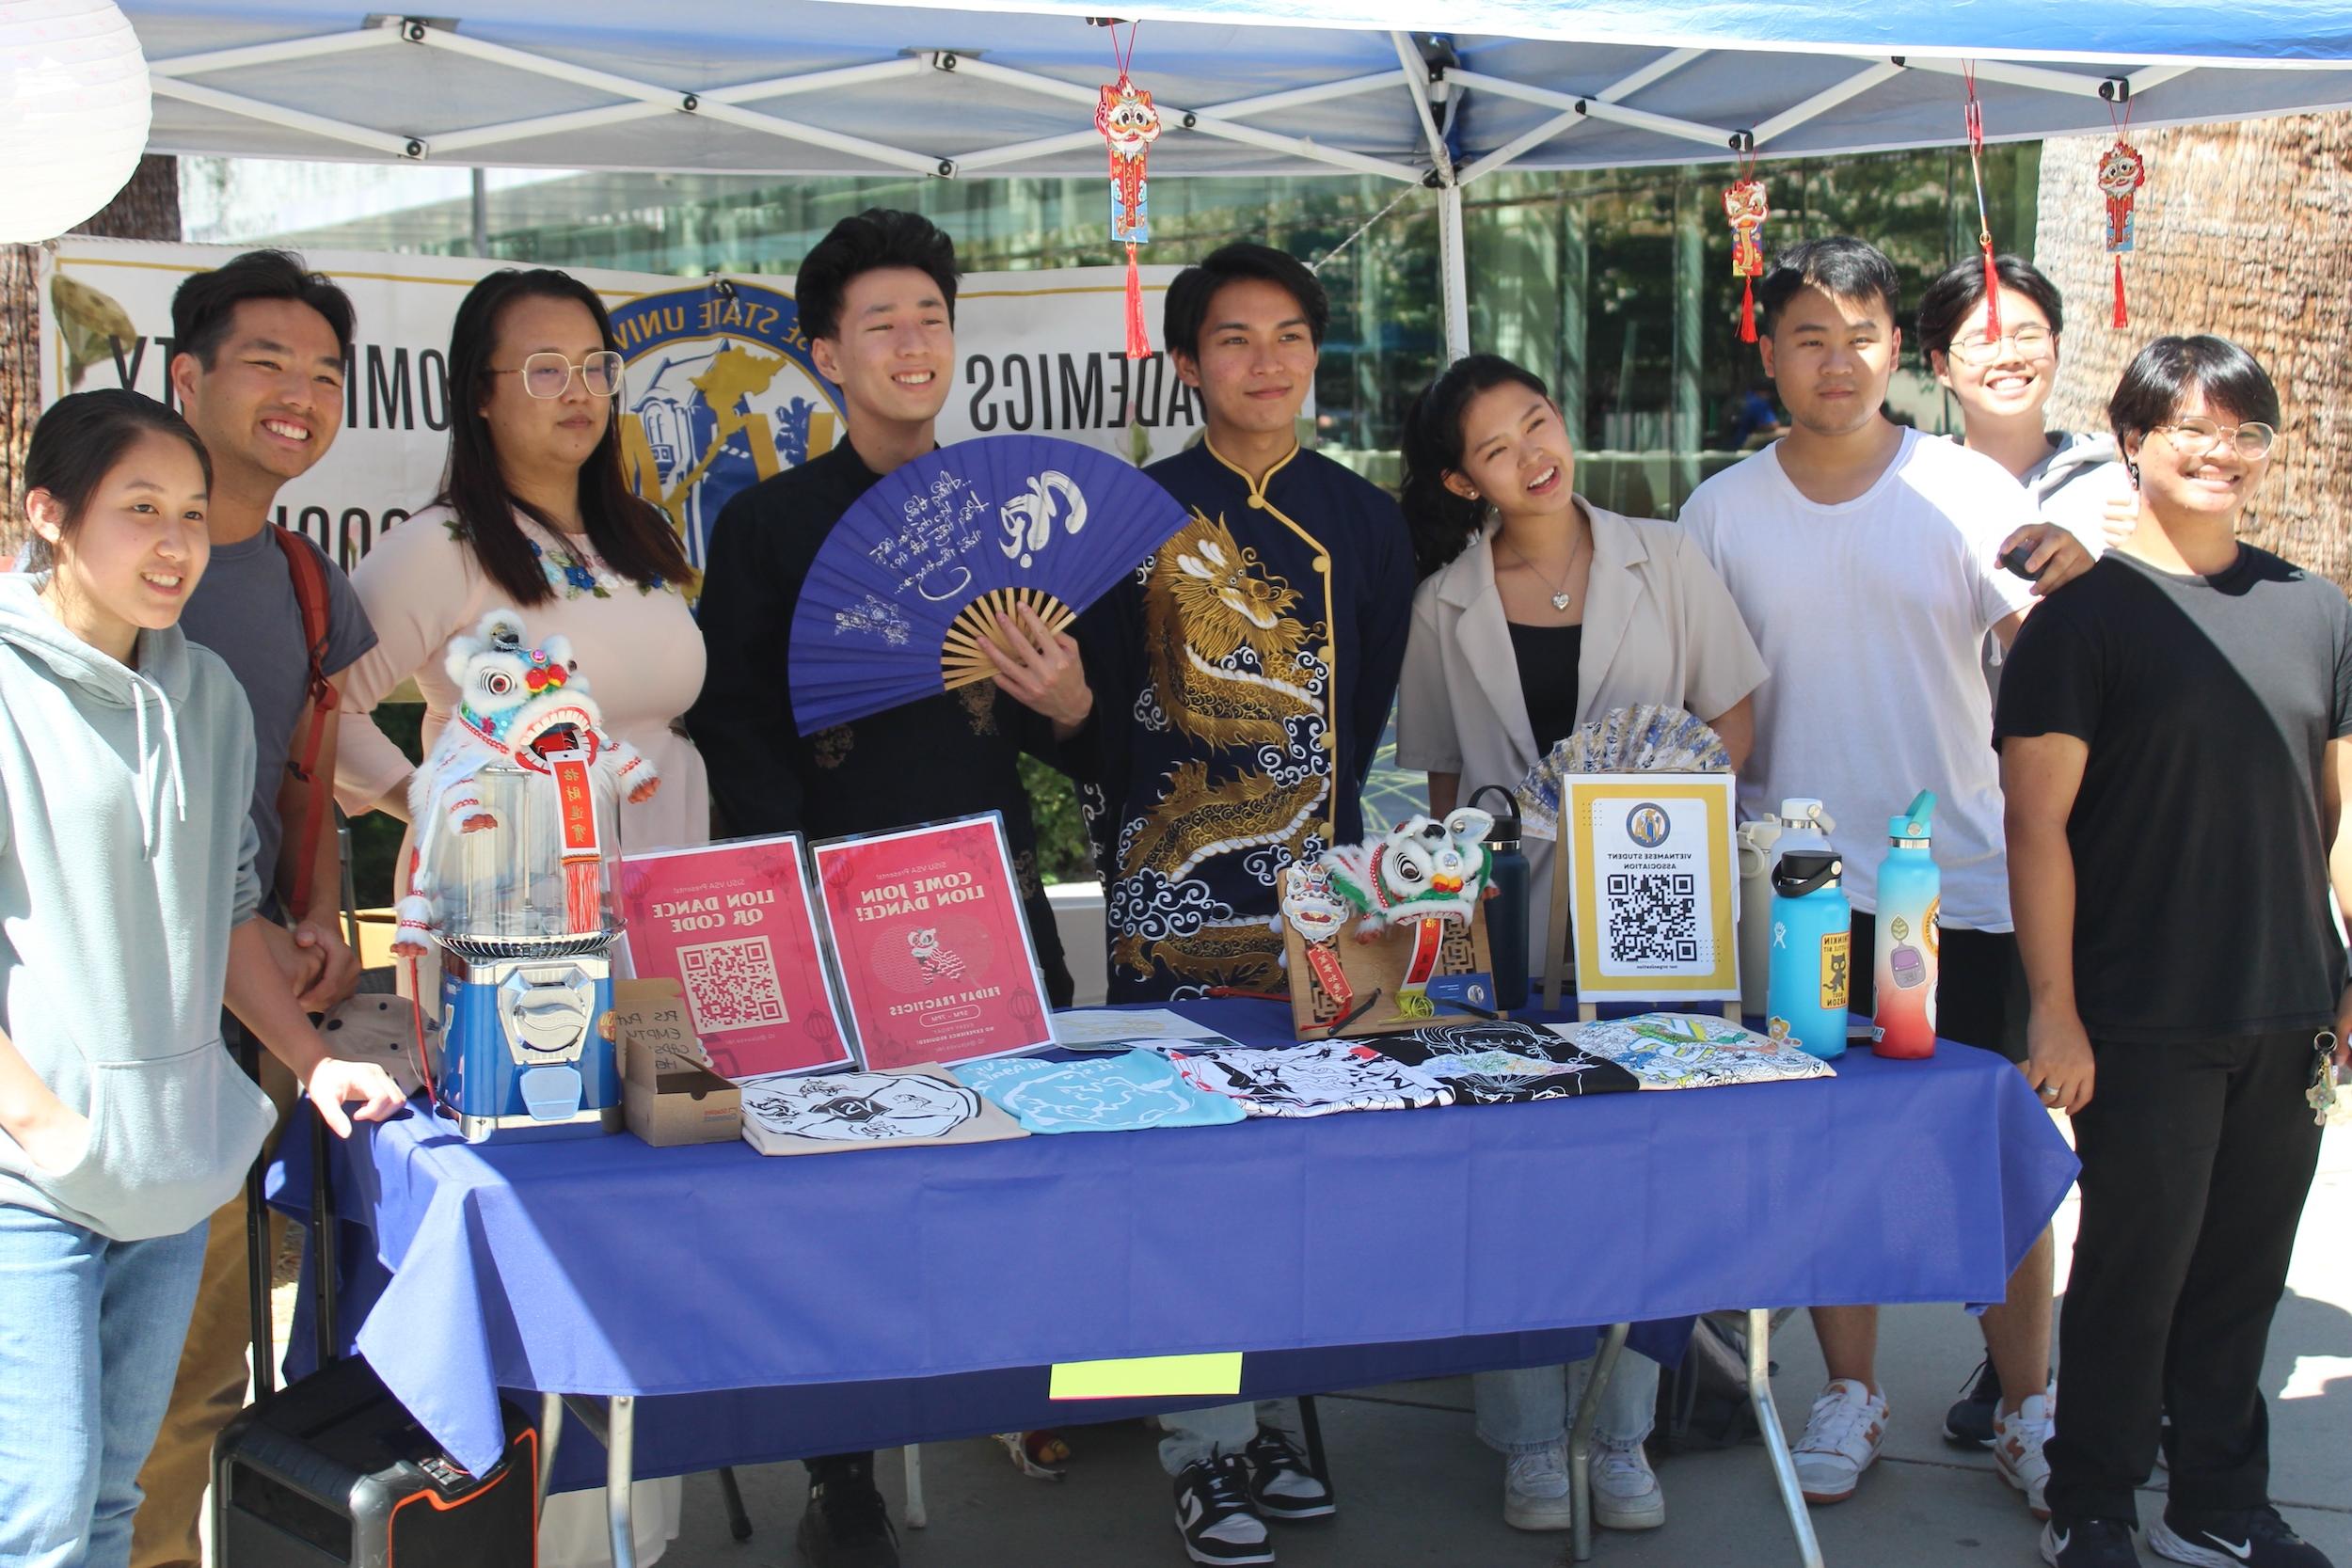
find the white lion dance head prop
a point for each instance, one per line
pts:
(517, 705)
(1421, 868)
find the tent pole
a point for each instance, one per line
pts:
(1453, 271)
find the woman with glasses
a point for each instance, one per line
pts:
(2175, 731)
(2002, 381)
(534, 514)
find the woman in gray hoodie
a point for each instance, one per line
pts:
(127, 915)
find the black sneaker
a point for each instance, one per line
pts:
(1971, 1421)
(2089, 1543)
(848, 1524)
(1281, 1485)
(2250, 1538)
(1213, 1512)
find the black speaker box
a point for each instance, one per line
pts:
(332, 1472)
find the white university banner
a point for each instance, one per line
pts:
(720, 392)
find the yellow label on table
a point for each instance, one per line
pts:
(1146, 1377)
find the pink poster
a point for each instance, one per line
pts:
(934, 944)
(733, 924)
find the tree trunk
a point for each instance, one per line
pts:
(2240, 232)
(146, 209)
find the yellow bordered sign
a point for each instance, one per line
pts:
(1649, 864)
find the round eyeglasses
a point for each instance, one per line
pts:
(2030, 342)
(2196, 436)
(549, 375)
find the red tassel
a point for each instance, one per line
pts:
(1139, 337)
(1747, 312)
(2120, 319)
(1992, 295)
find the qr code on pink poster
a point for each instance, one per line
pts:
(731, 985)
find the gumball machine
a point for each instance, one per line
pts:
(514, 812)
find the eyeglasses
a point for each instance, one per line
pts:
(2030, 342)
(2197, 435)
(549, 375)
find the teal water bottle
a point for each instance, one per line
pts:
(1812, 942)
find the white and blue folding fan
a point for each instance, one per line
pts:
(908, 586)
(1647, 737)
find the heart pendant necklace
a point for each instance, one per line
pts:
(1559, 596)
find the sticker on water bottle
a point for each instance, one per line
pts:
(1836, 953)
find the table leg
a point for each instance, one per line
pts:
(1776, 1441)
(620, 1466)
(550, 1432)
(1580, 1442)
(917, 1515)
(731, 1492)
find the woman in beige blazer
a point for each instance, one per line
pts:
(1539, 611)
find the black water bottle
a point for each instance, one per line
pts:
(1506, 911)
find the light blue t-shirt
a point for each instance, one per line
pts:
(1100, 1094)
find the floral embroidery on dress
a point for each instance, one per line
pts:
(578, 573)
(573, 574)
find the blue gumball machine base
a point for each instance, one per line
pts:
(526, 1039)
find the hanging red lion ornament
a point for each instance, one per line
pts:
(1746, 206)
(1130, 124)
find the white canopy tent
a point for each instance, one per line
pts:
(1244, 86)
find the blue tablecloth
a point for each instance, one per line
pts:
(942, 1282)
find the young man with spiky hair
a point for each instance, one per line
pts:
(877, 298)
(261, 346)
(1866, 559)
(1243, 677)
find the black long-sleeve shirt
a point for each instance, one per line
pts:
(949, 755)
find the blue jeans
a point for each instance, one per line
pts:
(1525, 1411)
(90, 1340)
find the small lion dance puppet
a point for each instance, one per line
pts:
(520, 706)
(1422, 869)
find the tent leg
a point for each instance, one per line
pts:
(1453, 271)
(1775, 1441)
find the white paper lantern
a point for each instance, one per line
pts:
(74, 108)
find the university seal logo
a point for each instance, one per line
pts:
(721, 394)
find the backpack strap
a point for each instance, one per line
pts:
(309, 570)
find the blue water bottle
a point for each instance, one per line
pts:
(1812, 944)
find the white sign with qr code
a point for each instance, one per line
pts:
(1651, 866)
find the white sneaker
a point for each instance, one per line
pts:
(2017, 1449)
(1841, 1440)
(1626, 1493)
(1535, 1491)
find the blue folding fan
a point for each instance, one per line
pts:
(909, 584)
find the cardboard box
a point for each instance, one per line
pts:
(1342, 987)
(668, 1092)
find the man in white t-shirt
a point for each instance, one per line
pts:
(1865, 558)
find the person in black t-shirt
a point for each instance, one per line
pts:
(2175, 734)
(877, 297)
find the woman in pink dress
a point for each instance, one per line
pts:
(534, 514)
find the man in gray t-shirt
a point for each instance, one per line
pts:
(245, 609)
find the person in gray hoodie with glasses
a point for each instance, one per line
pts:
(129, 911)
